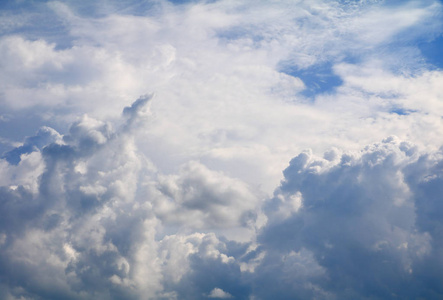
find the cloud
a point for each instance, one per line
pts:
(182, 195)
(44, 136)
(219, 293)
(119, 229)
(98, 227)
(71, 218)
(203, 198)
(218, 72)
(359, 220)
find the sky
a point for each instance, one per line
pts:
(221, 149)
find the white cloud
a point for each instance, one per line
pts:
(219, 293)
(228, 98)
(201, 198)
(138, 231)
(176, 198)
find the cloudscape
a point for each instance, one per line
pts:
(220, 149)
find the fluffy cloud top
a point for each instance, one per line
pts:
(337, 227)
(361, 218)
(110, 192)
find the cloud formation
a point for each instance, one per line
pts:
(359, 217)
(110, 192)
(337, 227)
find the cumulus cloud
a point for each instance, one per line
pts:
(182, 195)
(72, 221)
(203, 198)
(359, 221)
(336, 227)
(96, 224)
(44, 136)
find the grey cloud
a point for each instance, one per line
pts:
(137, 107)
(365, 220)
(202, 198)
(137, 111)
(208, 268)
(102, 221)
(68, 229)
(93, 227)
(44, 136)
(88, 133)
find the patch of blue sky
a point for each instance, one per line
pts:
(424, 42)
(25, 19)
(401, 111)
(14, 5)
(432, 51)
(318, 79)
(128, 7)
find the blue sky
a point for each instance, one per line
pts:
(221, 149)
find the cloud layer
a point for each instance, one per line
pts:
(143, 146)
